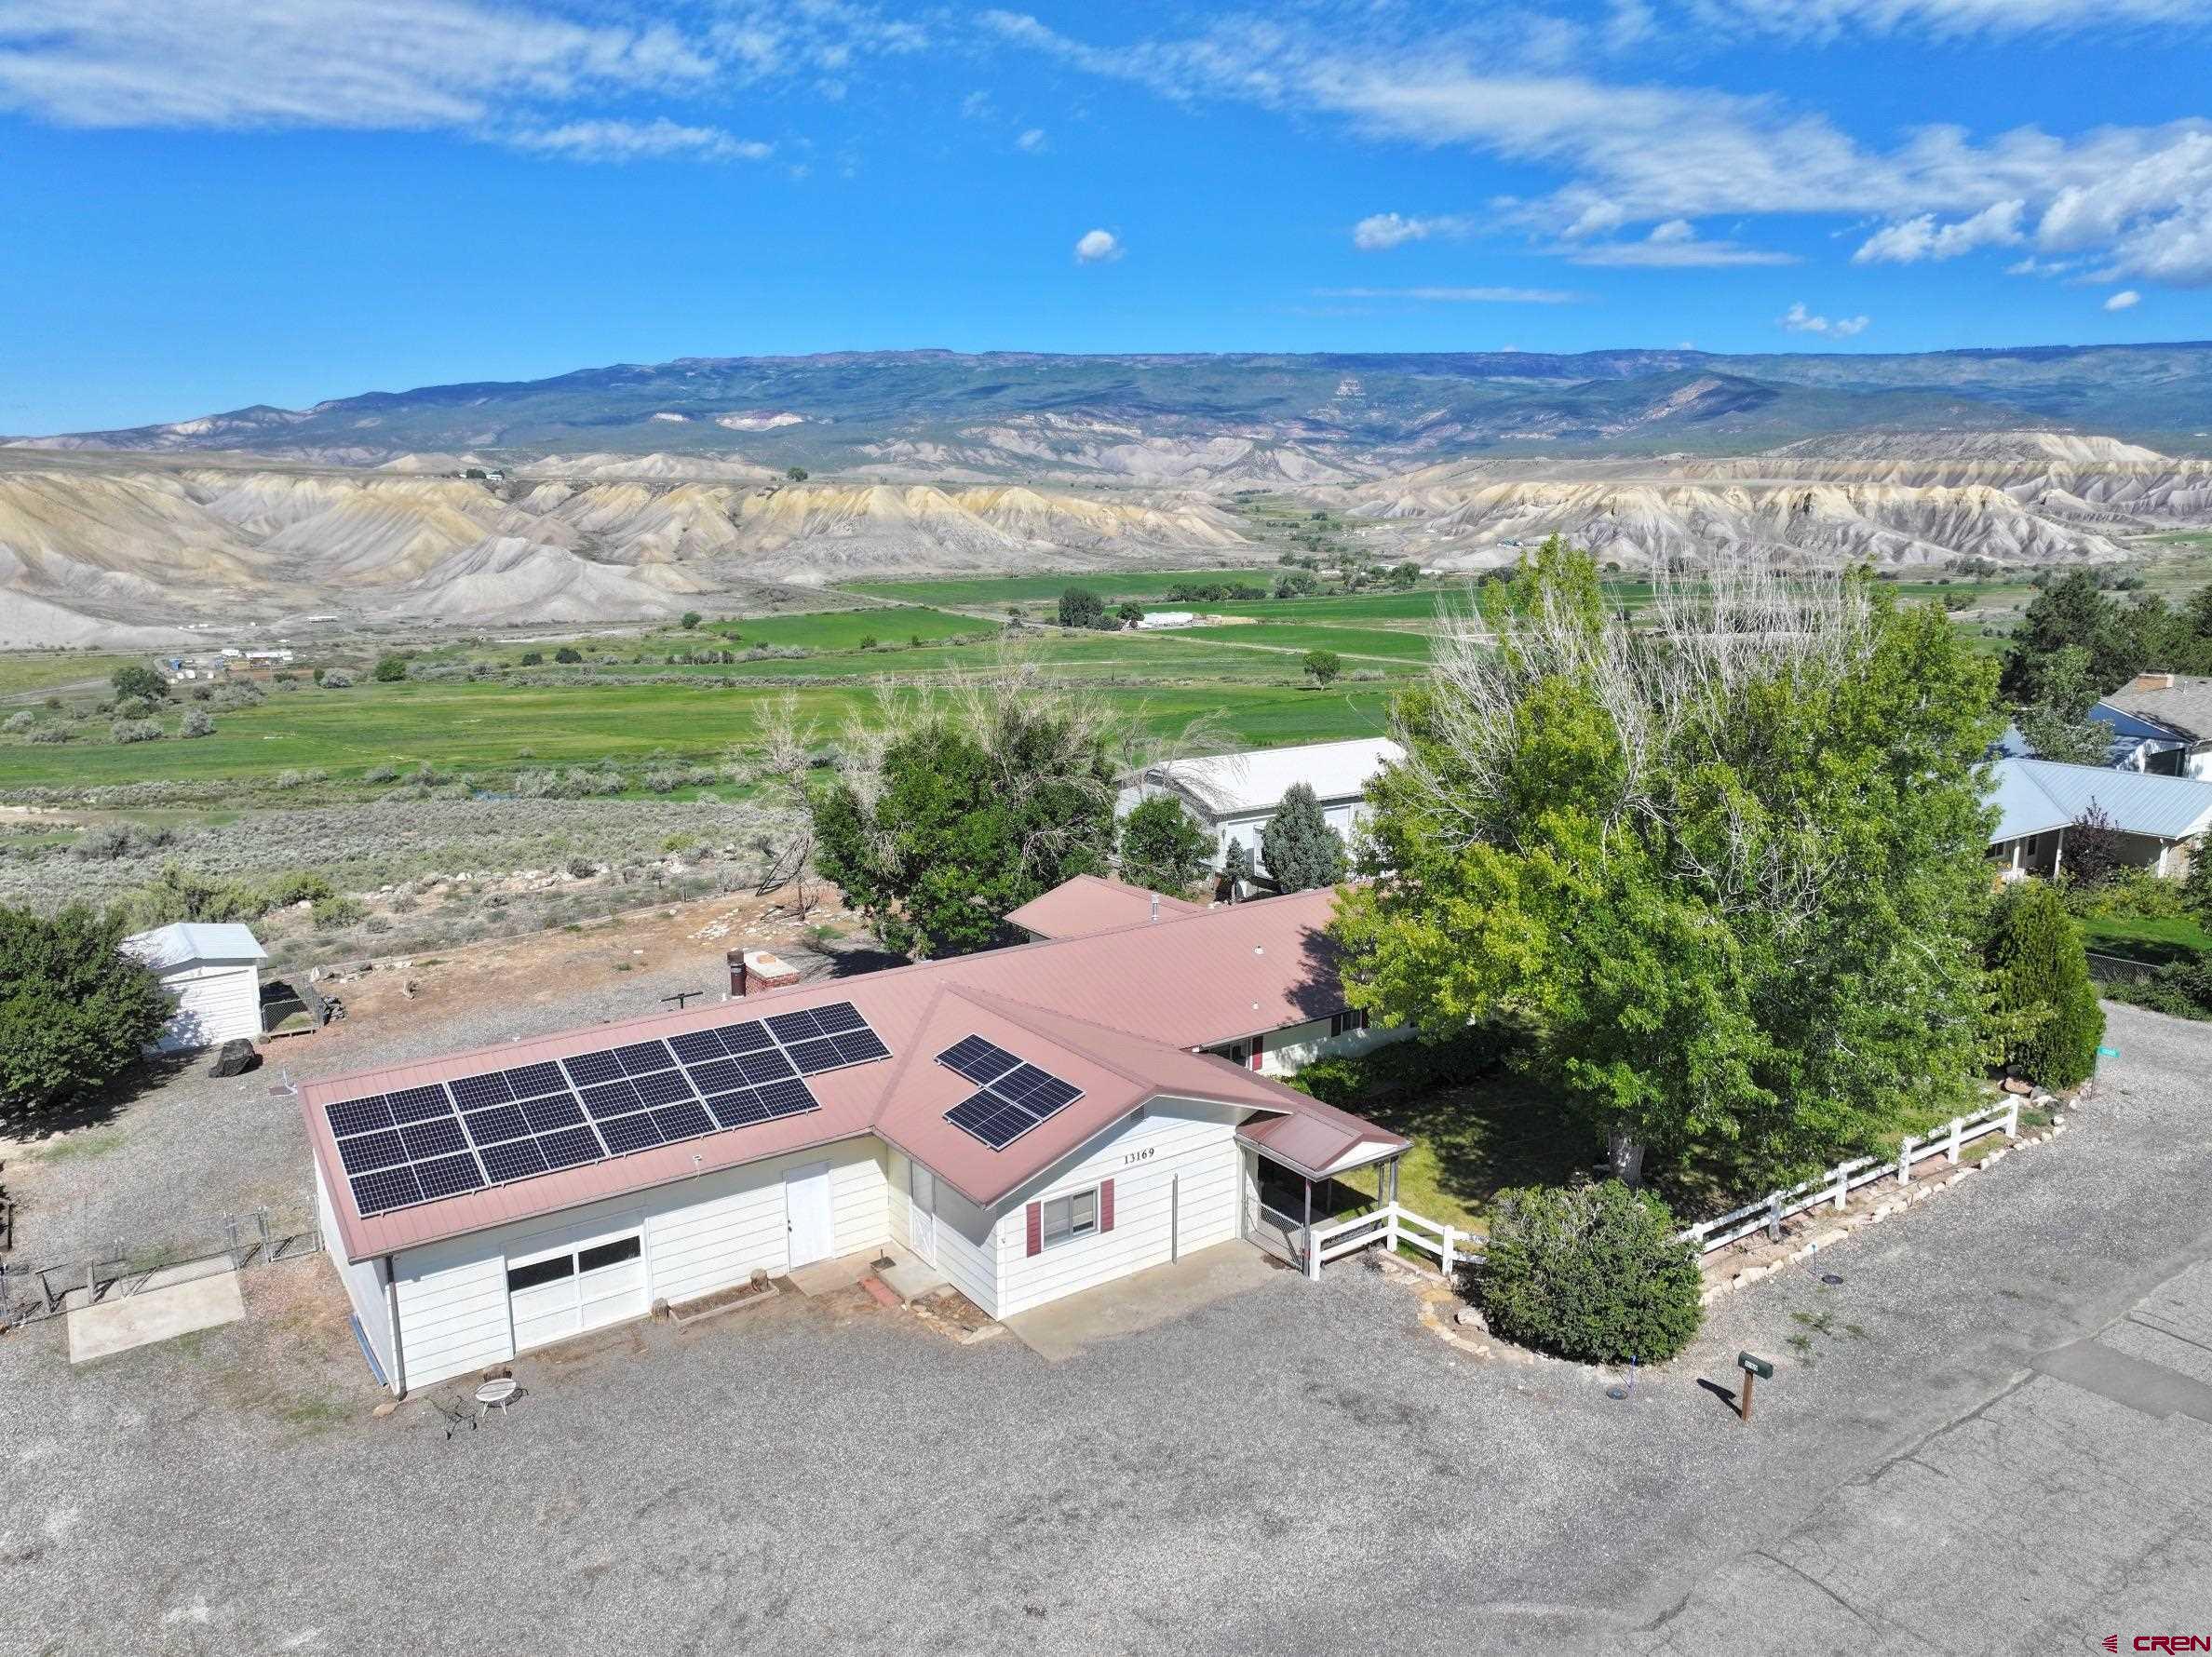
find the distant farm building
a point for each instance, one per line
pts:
(1235, 796)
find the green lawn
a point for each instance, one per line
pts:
(2155, 938)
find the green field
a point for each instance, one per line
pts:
(1349, 642)
(24, 673)
(978, 591)
(489, 726)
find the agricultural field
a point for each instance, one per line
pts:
(28, 674)
(1146, 586)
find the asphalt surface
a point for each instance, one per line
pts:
(1994, 1436)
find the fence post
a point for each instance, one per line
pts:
(1951, 1152)
(2012, 1118)
(1447, 1249)
(1774, 1223)
(1905, 1152)
(1842, 1184)
(1312, 1255)
(1391, 1229)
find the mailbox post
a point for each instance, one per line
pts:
(1753, 1368)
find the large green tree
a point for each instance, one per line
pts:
(1161, 847)
(74, 1010)
(959, 820)
(2073, 613)
(1718, 871)
(2045, 1002)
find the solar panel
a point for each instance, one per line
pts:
(625, 1134)
(666, 1089)
(640, 1058)
(516, 1161)
(475, 1092)
(546, 1114)
(987, 1117)
(977, 1060)
(1014, 1096)
(531, 1080)
(421, 1143)
(359, 1115)
(571, 1147)
(586, 1068)
(417, 1104)
(500, 1122)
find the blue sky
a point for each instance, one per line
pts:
(212, 203)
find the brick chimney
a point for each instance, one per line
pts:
(755, 970)
(2152, 682)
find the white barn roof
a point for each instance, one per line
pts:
(195, 940)
(1257, 779)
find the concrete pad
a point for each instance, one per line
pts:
(178, 1304)
(1131, 1305)
(910, 1276)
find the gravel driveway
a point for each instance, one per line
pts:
(1300, 1469)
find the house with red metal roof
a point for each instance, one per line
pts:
(1026, 1122)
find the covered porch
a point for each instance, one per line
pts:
(1303, 1217)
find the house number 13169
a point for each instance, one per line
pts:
(1135, 1156)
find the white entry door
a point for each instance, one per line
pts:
(922, 1211)
(806, 1213)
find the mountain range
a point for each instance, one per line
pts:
(640, 492)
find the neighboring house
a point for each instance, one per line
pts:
(2159, 818)
(213, 972)
(1154, 620)
(2162, 724)
(1234, 796)
(1028, 1122)
(1091, 903)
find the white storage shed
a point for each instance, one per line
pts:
(212, 971)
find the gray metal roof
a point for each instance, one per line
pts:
(195, 940)
(2187, 707)
(2035, 796)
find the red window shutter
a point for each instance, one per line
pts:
(1105, 1205)
(1036, 1228)
(1259, 1047)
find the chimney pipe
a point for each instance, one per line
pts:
(736, 963)
(1155, 912)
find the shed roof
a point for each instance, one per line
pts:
(2035, 796)
(184, 941)
(1259, 778)
(1115, 1011)
(1089, 903)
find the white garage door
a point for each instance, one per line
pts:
(576, 1286)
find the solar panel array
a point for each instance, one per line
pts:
(417, 1144)
(1011, 1094)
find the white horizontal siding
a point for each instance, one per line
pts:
(1173, 1145)
(898, 1179)
(967, 1247)
(215, 1002)
(362, 1282)
(1289, 1050)
(699, 1235)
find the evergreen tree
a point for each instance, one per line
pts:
(2071, 612)
(1237, 866)
(1161, 847)
(1299, 847)
(2044, 1002)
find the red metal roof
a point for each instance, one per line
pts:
(1089, 903)
(1114, 1013)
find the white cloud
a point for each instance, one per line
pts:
(2126, 299)
(524, 73)
(1032, 142)
(1458, 296)
(1798, 320)
(1097, 246)
(976, 106)
(1671, 245)
(2139, 196)
(1911, 240)
(639, 140)
(1379, 231)
(1825, 19)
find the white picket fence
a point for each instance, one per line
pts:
(1389, 1225)
(1834, 1188)
(1392, 1223)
